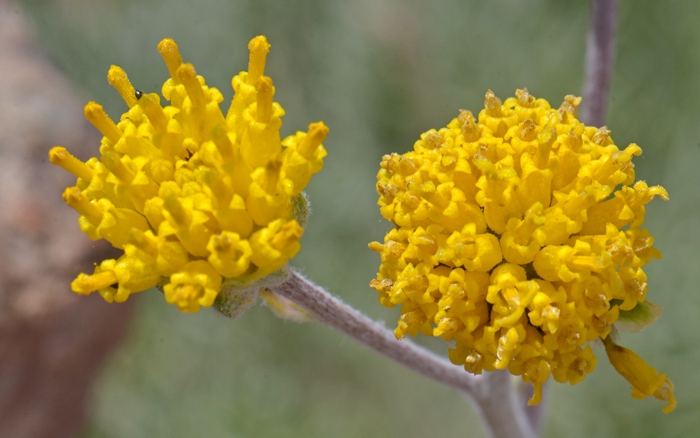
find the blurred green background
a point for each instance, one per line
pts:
(379, 73)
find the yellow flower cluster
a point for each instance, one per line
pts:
(192, 196)
(518, 237)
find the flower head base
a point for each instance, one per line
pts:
(518, 236)
(193, 197)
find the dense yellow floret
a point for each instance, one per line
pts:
(193, 197)
(518, 237)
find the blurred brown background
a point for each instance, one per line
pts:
(52, 342)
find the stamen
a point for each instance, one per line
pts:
(143, 242)
(426, 242)
(220, 137)
(406, 165)
(265, 93)
(85, 283)
(606, 169)
(493, 105)
(177, 211)
(150, 104)
(390, 190)
(430, 194)
(188, 76)
(545, 140)
(80, 203)
(258, 47)
(168, 49)
(118, 79)
(527, 130)
(117, 167)
(527, 227)
(600, 136)
(584, 200)
(313, 139)
(570, 104)
(524, 98)
(394, 249)
(272, 175)
(97, 116)
(470, 130)
(433, 140)
(218, 188)
(574, 139)
(61, 157)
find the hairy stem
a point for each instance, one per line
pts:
(600, 55)
(501, 408)
(492, 392)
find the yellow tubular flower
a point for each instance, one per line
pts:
(197, 284)
(193, 196)
(519, 238)
(645, 380)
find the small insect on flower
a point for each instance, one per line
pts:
(519, 236)
(195, 198)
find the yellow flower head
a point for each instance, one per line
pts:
(190, 195)
(518, 237)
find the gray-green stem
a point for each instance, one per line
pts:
(600, 56)
(492, 393)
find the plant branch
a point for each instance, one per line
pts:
(331, 311)
(491, 392)
(501, 408)
(600, 55)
